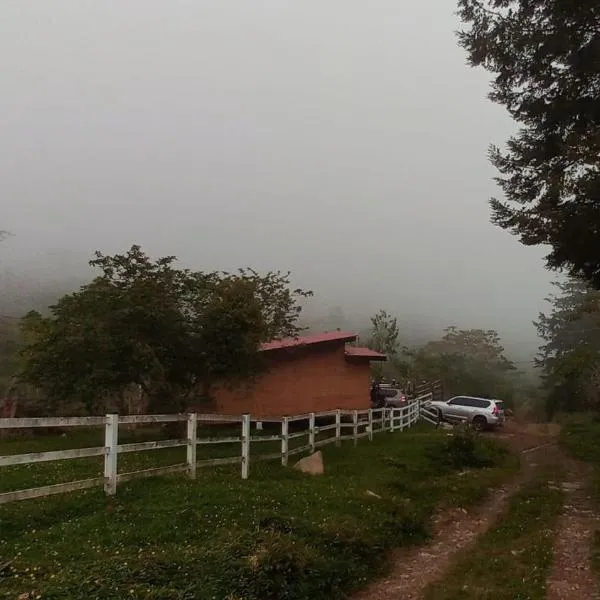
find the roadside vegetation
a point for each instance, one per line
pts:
(580, 435)
(513, 559)
(279, 534)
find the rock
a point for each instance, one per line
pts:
(373, 495)
(24, 596)
(313, 464)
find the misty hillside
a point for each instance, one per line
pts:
(21, 293)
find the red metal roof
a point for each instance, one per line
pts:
(364, 353)
(307, 340)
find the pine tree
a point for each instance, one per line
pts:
(545, 58)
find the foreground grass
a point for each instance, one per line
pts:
(278, 535)
(513, 559)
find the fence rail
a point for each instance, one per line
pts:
(362, 423)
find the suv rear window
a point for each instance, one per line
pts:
(480, 403)
(389, 393)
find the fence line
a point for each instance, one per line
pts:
(363, 423)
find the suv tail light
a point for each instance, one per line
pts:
(495, 410)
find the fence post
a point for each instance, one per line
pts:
(285, 427)
(370, 424)
(111, 441)
(311, 431)
(192, 428)
(245, 446)
(392, 422)
(338, 427)
(355, 426)
(403, 412)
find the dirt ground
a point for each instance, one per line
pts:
(456, 531)
(571, 577)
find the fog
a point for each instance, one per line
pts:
(343, 140)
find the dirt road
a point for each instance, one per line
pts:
(454, 532)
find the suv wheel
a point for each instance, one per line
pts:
(479, 422)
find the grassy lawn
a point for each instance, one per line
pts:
(278, 535)
(39, 474)
(513, 559)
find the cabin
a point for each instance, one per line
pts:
(311, 373)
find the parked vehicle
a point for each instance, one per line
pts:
(481, 412)
(393, 397)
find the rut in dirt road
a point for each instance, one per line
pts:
(571, 577)
(454, 532)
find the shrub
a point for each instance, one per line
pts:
(278, 567)
(466, 449)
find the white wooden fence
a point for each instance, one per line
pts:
(359, 423)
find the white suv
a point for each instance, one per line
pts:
(481, 412)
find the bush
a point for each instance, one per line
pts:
(466, 449)
(274, 568)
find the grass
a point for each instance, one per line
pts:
(39, 474)
(278, 535)
(512, 560)
(580, 436)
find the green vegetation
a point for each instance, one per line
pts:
(9, 346)
(513, 559)
(384, 338)
(580, 436)
(543, 58)
(570, 356)
(172, 332)
(466, 361)
(279, 534)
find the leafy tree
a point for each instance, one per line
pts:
(545, 57)
(570, 356)
(384, 333)
(383, 338)
(171, 331)
(467, 361)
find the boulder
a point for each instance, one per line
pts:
(313, 464)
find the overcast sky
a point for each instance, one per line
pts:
(344, 140)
